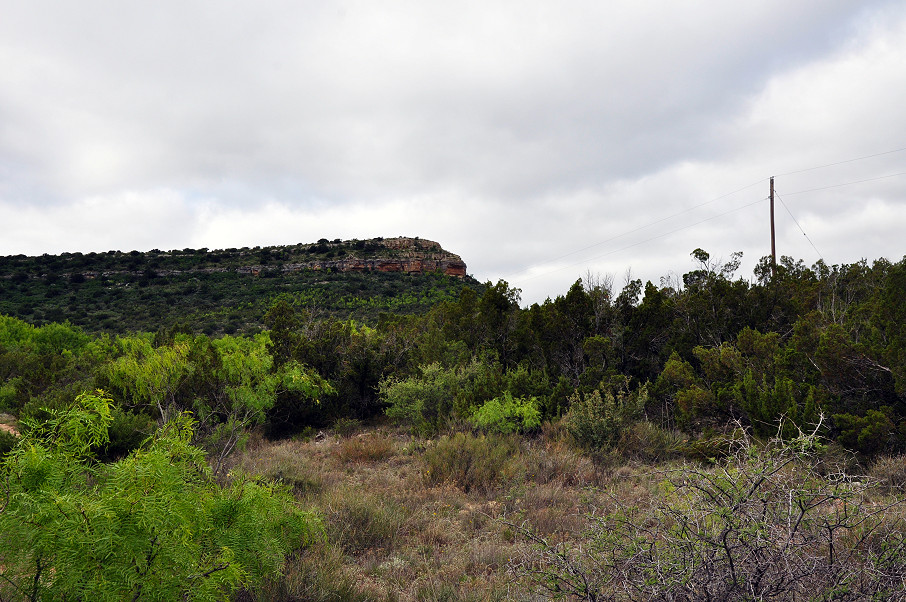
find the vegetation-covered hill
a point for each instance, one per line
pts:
(228, 290)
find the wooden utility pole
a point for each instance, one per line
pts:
(773, 246)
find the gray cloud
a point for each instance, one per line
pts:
(512, 132)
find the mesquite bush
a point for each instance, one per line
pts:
(768, 523)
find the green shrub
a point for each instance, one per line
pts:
(782, 403)
(597, 420)
(9, 394)
(478, 381)
(7, 442)
(868, 434)
(440, 394)
(345, 426)
(424, 401)
(127, 432)
(508, 414)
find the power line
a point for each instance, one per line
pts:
(890, 152)
(893, 175)
(686, 227)
(795, 221)
(694, 207)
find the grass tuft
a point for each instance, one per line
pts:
(471, 462)
(368, 447)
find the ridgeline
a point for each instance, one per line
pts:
(229, 290)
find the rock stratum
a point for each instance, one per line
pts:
(408, 255)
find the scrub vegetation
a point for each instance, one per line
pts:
(709, 437)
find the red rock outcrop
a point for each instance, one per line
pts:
(409, 255)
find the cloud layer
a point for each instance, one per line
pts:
(537, 141)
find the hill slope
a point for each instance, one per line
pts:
(228, 290)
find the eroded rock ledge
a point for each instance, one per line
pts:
(409, 255)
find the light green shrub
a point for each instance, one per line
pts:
(441, 394)
(154, 525)
(423, 401)
(508, 414)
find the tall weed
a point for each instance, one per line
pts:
(471, 462)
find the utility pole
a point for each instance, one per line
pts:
(773, 246)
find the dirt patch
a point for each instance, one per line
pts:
(9, 429)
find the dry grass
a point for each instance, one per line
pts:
(365, 447)
(410, 520)
(890, 473)
(362, 523)
(289, 462)
(480, 463)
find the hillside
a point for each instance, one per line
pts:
(228, 290)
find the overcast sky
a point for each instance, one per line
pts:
(538, 140)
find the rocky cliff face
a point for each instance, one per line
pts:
(409, 255)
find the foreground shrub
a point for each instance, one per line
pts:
(471, 462)
(154, 525)
(763, 524)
